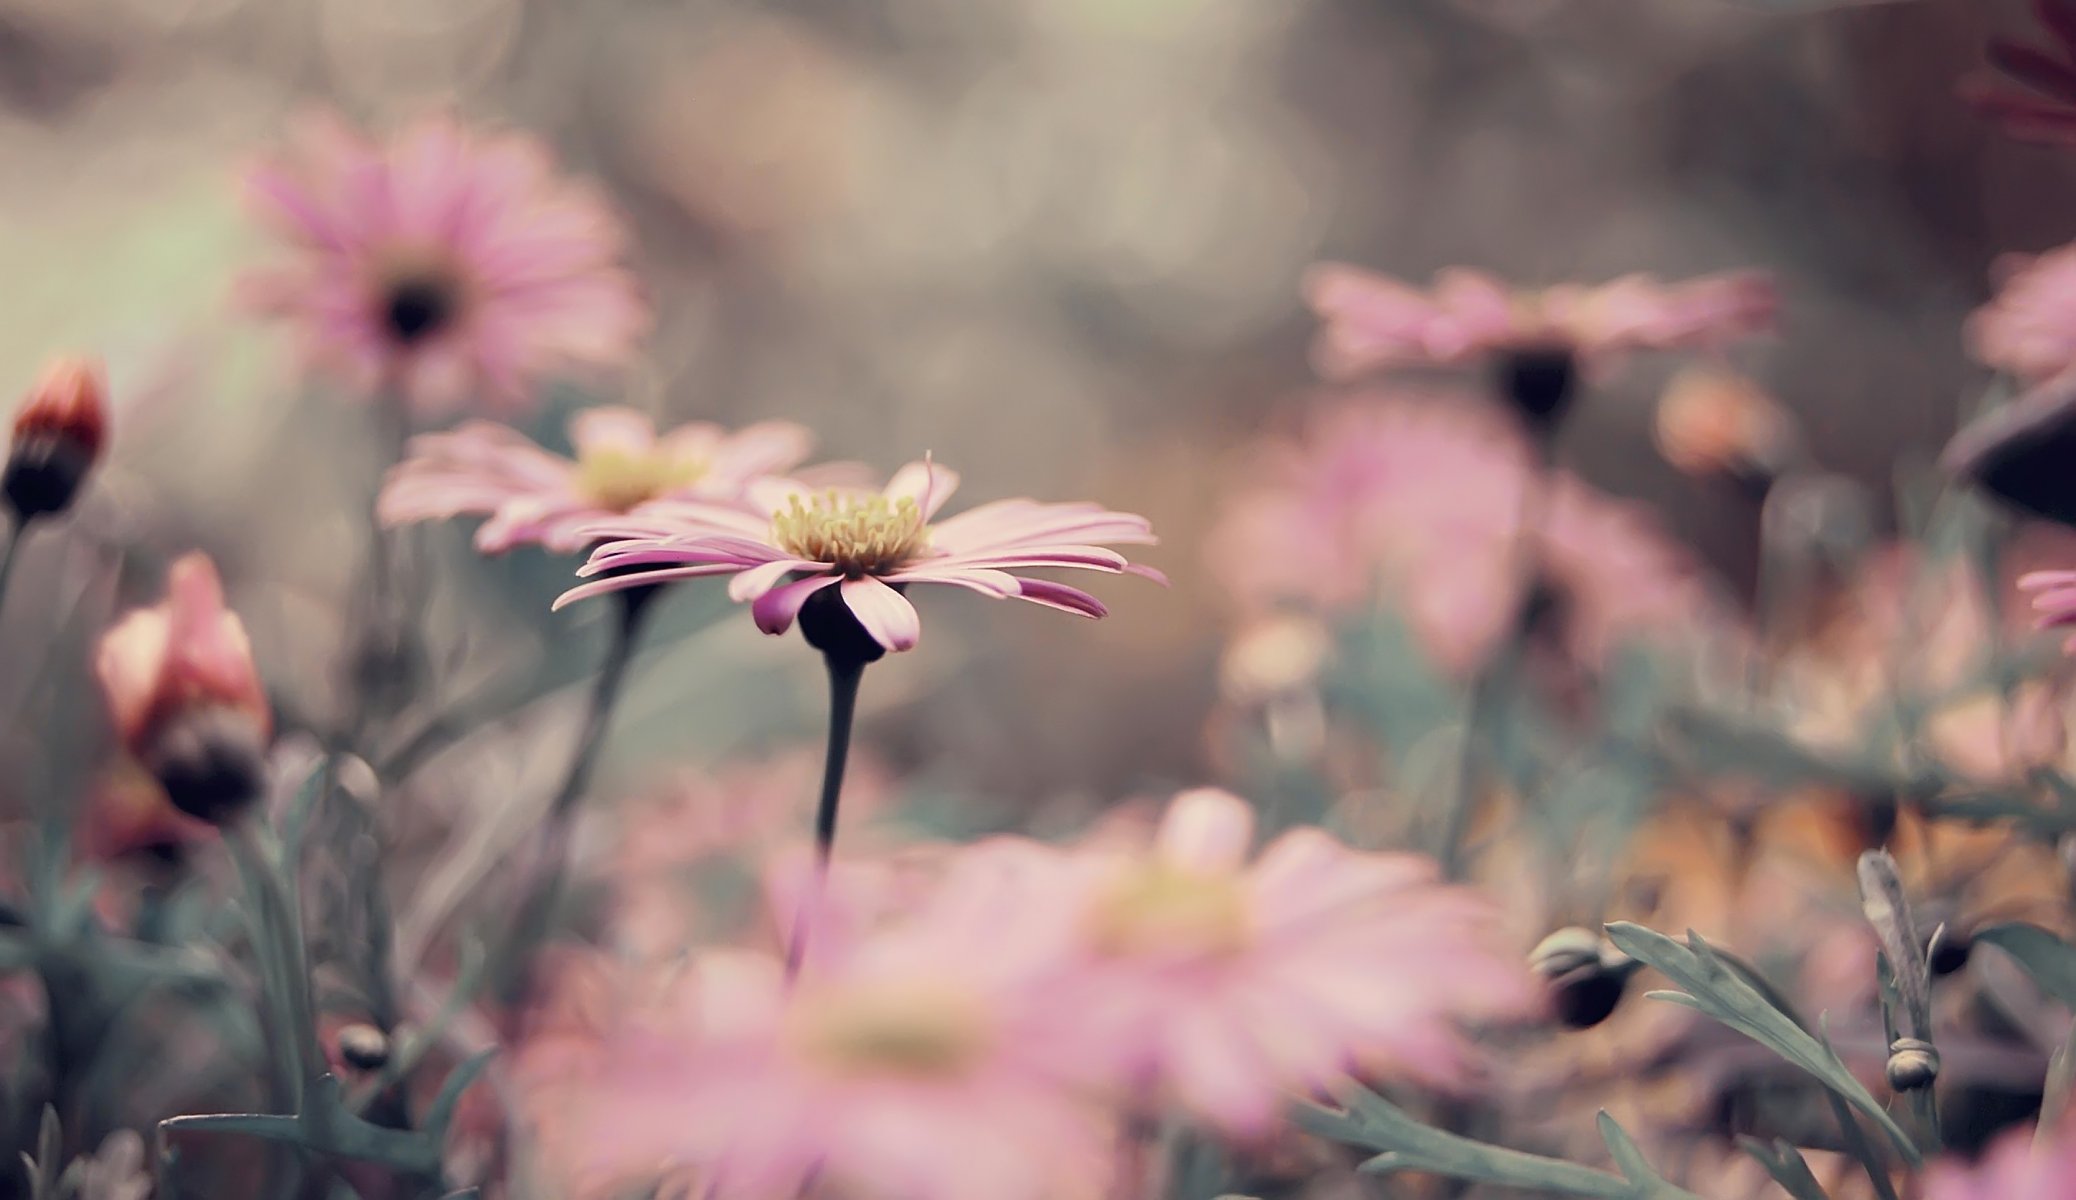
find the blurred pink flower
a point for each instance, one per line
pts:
(185, 653)
(1227, 984)
(2029, 327)
(1416, 498)
(2012, 1169)
(921, 1060)
(532, 496)
(868, 545)
(443, 265)
(1372, 321)
(2054, 600)
(2043, 107)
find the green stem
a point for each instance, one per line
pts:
(845, 673)
(15, 536)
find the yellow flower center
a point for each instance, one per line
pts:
(1163, 910)
(859, 535)
(619, 479)
(907, 1030)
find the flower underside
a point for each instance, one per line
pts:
(1163, 910)
(858, 535)
(417, 302)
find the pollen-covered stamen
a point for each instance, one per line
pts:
(618, 479)
(889, 1029)
(1164, 910)
(858, 535)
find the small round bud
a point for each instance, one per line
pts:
(212, 761)
(1913, 1064)
(829, 626)
(1585, 974)
(1948, 952)
(1714, 422)
(1539, 381)
(59, 432)
(363, 1047)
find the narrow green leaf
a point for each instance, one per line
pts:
(458, 1081)
(1727, 995)
(2049, 960)
(1374, 1122)
(1630, 1160)
(1787, 1166)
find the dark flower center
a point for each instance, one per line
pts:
(419, 306)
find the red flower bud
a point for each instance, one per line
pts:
(185, 697)
(59, 433)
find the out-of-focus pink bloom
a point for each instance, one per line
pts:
(1711, 421)
(2013, 1169)
(868, 546)
(1372, 321)
(2043, 107)
(2054, 600)
(187, 652)
(1227, 984)
(128, 815)
(442, 265)
(2029, 327)
(1417, 498)
(622, 466)
(921, 1060)
(59, 433)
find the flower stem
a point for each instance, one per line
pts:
(16, 532)
(551, 858)
(845, 674)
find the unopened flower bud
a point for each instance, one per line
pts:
(1948, 951)
(2020, 452)
(1713, 422)
(1913, 1064)
(363, 1047)
(1585, 974)
(185, 698)
(59, 432)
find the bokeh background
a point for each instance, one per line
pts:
(1055, 242)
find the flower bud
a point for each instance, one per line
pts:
(185, 698)
(1913, 1064)
(1585, 975)
(59, 432)
(1713, 422)
(363, 1047)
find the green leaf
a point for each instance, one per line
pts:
(1785, 1163)
(1622, 1148)
(458, 1081)
(1725, 993)
(1374, 1122)
(1725, 743)
(2048, 959)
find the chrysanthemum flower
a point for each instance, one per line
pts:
(1418, 499)
(621, 465)
(2043, 107)
(186, 701)
(922, 1061)
(1372, 321)
(442, 265)
(866, 546)
(2015, 1168)
(1229, 983)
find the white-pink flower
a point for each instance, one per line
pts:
(868, 547)
(1227, 982)
(2017, 1167)
(1372, 321)
(928, 1060)
(2029, 327)
(442, 266)
(621, 466)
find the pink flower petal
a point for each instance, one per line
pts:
(885, 613)
(775, 610)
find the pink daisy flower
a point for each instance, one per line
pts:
(621, 466)
(2029, 327)
(2054, 600)
(922, 1060)
(1373, 321)
(858, 549)
(1417, 498)
(441, 265)
(2043, 107)
(1227, 984)
(2013, 1169)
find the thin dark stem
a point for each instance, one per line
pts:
(844, 676)
(551, 859)
(15, 534)
(1489, 673)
